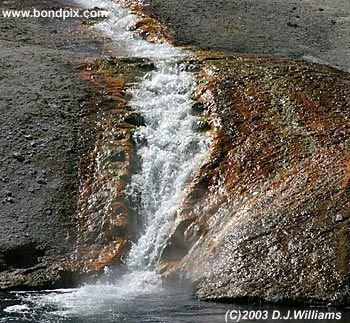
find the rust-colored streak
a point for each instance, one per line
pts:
(263, 206)
(346, 180)
(147, 26)
(104, 230)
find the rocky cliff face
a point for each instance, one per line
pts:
(267, 215)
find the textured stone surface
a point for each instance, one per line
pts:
(267, 215)
(40, 146)
(104, 215)
(317, 30)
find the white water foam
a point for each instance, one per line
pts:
(117, 29)
(169, 151)
(17, 308)
(88, 300)
(172, 152)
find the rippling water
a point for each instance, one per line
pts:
(170, 304)
(162, 306)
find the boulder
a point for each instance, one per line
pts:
(267, 214)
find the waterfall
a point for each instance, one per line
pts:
(169, 152)
(172, 150)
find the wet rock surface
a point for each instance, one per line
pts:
(105, 220)
(267, 215)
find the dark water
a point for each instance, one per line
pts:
(169, 305)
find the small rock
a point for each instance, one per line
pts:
(289, 24)
(9, 199)
(41, 181)
(8, 194)
(338, 218)
(197, 108)
(135, 119)
(18, 157)
(201, 125)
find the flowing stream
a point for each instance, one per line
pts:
(173, 149)
(172, 153)
(168, 160)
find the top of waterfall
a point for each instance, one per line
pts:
(118, 28)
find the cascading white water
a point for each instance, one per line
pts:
(172, 152)
(169, 151)
(125, 42)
